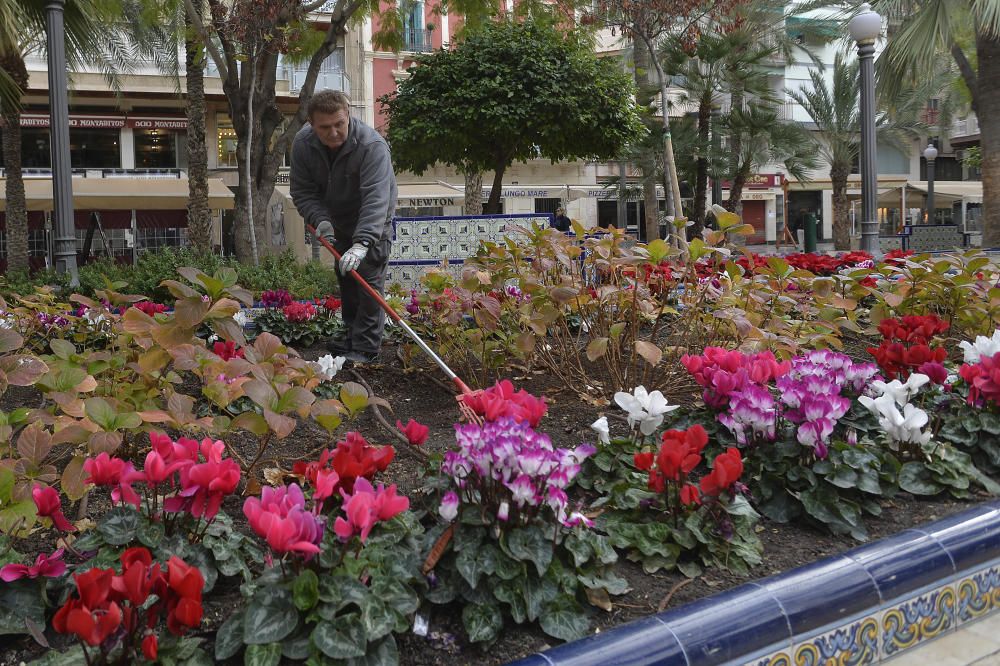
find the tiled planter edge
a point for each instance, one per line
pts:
(864, 606)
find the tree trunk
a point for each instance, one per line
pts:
(647, 162)
(17, 207)
(493, 206)
(199, 215)
(674, 207)
(739, 170)
(841, 219)
(735, 202)
(701, 165)
(988, 101)
(473, 192)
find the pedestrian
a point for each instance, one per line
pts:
(560, 221)
(342, 183)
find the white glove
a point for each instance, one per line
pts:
(351, 259)
(325, 230)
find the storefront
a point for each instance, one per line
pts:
(158, 142)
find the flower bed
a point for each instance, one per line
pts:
(161, 471)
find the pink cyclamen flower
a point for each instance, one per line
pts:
(366, 507)
(416, 433)
(279, 516)
(47, 566)
(49, 506)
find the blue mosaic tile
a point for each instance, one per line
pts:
(649, 641)
(907, 624)
(727, 626)
(853, 644)
(779, 658)
(848, 590)
(903, 563)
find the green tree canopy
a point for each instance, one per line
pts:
(511, 90)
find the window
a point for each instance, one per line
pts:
(547, 205)
(94, 148)
(420, 211)
(227, 142)
(151, 238)
(159, 149)
(35, 151)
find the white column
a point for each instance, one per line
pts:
(827, 215)
(445, 27)
(770, 220)
(126, 144)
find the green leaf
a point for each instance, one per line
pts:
(377, 618)
(529, 544)
(916, 479)
(270, 616)
(229, 637)
(100, 412)
(262, 655)
(354, 397)
(151, 533)
(482, 622)
(62, 348)
(20, 600)
(341, 638)
(537, 593)
(305, 590)
(385, 653)
(471, 564)
(71, 657)
(119, 526)
(564, 619)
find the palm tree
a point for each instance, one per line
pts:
(88, 39)
(968, 30)
(835, 112)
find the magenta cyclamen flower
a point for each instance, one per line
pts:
(508, 461)
(752, 415)
(279, 516)
(47, 566)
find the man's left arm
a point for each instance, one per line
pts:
(376, 180)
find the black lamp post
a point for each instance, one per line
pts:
(62, 173)
(865, 28)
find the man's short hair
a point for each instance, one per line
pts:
(328, 101)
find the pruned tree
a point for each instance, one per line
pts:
(511, 91)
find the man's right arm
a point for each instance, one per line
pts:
(306, 194)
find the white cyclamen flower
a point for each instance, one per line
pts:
(600, 426)
(646, 409)
(983, 346)
(329, 366)
(241, 318)
(903, 423)
(901, 393)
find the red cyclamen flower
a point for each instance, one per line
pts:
(48, 504)
(416, 433)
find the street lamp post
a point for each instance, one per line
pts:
(62, 174)
(865, 28)
(930, 154)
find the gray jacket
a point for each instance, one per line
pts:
(357, 192)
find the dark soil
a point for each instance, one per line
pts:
(420, 394)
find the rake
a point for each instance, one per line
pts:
(467, 413)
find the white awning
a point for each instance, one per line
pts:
(969, 190)
(122, 194)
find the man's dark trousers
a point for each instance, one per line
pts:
(363, 316)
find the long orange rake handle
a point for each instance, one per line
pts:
(396, 318)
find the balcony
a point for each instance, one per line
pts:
(417, 40)
(328, 79)
(968, 126)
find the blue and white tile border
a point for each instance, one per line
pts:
(864, 606)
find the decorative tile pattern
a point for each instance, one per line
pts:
(977, 594)
(853, 644)
(918, 619)
(779, 658)
(420, 243)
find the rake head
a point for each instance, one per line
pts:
(468, 414)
